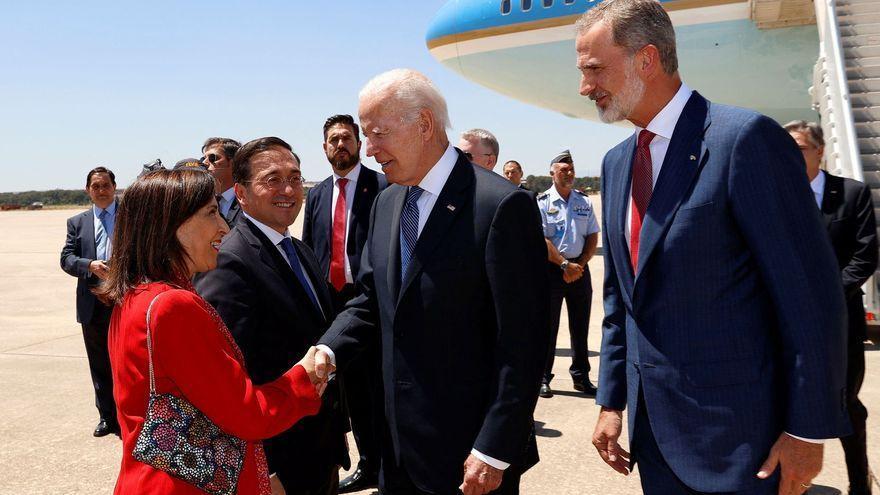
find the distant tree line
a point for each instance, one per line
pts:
(539, 183)
(53, 197)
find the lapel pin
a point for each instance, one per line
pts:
(365, 189)
(450, 207)
(693, 157)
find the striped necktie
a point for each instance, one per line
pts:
(409, 228)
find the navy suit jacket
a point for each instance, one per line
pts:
(463, 338)
(733, 324)
(76, 255)
(318, 221)
(274, 322)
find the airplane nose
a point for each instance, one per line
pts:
(444, 23)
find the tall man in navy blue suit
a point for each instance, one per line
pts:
(452, 285)
(85, 256)
(724, 313)
(337, 219)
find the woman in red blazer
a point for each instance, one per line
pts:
(168, 228)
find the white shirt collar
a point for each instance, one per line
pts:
(110, 209)
(352, 176)
(435, 179)
(228, 194)
(553, 194)
(663, 124)
(818, 183)
(274, 236)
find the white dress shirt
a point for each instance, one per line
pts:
(275, 238)
(350, 189)
(818, 187)
(226, 201)
(432, 184)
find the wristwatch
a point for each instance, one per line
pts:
(564, 264)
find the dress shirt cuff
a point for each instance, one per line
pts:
(808, 440)
(328, 352)
(495, 463)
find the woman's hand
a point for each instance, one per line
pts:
(308, 362)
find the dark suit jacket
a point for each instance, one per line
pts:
(318, 221)
(848, 214)
(464, 336)
(733, 325)
(272, 319)
(76, 255)
(234, 213)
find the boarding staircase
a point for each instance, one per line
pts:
(846, 93)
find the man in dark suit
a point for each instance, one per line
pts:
(218, 154)
(514, 173)
(85, 256)
(724, 314)
(269, 290)
(452, 281)
(848, 214)
(335, 227)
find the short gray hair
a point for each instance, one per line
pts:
(635, 24)
(413, 90)
(812, 130)
(485, 138)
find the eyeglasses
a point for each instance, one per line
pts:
(276, 182)
(470, 156)
(210, 158)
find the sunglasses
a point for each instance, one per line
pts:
(470, 156)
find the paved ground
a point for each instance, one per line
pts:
(48, 413)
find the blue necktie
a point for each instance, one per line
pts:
(409, 228)
(101, 237)
(293, 260)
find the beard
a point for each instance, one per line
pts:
(622, 104)
(344, 161)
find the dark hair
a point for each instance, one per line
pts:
(342, 119)
(100, 170)
(230, 146)
(145, 245)
(241, 165)
(518, 166)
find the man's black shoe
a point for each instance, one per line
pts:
(586, 387)
(545, 391)
(358, 480)
(105, 428)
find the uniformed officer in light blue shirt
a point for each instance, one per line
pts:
(572, 233)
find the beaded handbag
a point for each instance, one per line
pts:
(179, 439)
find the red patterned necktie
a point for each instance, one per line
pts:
(337, 253)
(642, 187)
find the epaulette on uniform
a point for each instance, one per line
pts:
(543, 195)
(579, 192)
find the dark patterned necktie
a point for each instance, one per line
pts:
(409, 228)
(293, 260)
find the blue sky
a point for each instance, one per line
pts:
(121, 83)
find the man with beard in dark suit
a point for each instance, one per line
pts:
(848, 214)
(269, 290)
(335, 227)
(452, 281)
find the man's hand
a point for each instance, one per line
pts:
(572, 272)
(100, 269)
(308, 362)
(608, 429)
(323, 366)
(479, 477)
(799, 462)
(275, 484)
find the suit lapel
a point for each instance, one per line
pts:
(312, 271)
(683, 160)
(394, 242)
(446, 208)
(362, 189)
(90, 248)
(832, 196)
(621, 199)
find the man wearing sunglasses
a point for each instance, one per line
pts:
(480, 147)
(217, 155)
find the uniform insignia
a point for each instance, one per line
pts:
(693, 157)
(553, 211)
(543, 196)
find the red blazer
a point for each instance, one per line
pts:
(193, 357)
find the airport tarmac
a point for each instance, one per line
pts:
(46, 443)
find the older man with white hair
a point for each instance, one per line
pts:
(452, 281)
(480, 147)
